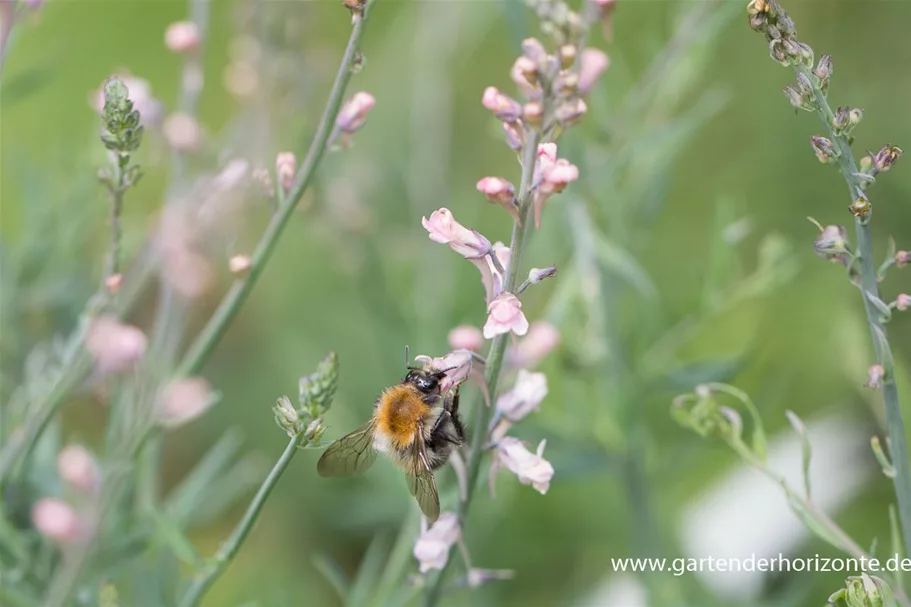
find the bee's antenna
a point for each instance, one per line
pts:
(407, 358)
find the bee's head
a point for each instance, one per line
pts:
(427, 382)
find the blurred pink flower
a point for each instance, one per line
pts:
(525, 396)
(184, 400)
(182, 132)
(285, 166)
(875, 375)
(514, 135)
(56, 520)
(530, 468)
(542, 337)
(903, 302)
(182, 37)
(466, 337)
(524, 73)
(432, 547)
(78, 468)
(115, 347)
(443, 228)
(504, 107)
(592, 64)
(535, 51)
(354, 113)
(505, 315)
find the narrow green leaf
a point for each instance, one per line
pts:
(880, 305)
(896, 540)
(881, 457)
(814, 525)
(885, 351)
(806, 449)
(173, 537)
(333, 574)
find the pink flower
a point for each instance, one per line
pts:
(432, 548)
(902, 258)
(501, 192)
(514, 135)
(903, 302)
(490, 276)
(182, 132)
(354, 113)
(530, 468)
(534, 50)
(285, 166)
(115, 347)
(552, 175)
(78, 469)
(504, 107)
(525, 396)
(504, 314)
(182, 37)
(56, 520)
(592, 64)
(443, 228)
(184, 400)
(466, 337)
(542, 337)
(875, 376)
(456, 364)
(525, 74)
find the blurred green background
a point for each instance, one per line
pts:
(708, 140)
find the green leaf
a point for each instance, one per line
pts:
(173, 537)
(333, 573)
(885, 312)
(805, 448)
(897, 545)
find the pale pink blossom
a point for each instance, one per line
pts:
(184, 400)
(501, 192)
(285, 166)
(456, 364)
(524, 73)
(533, 112)
(530, 468)
(551, 176)
(182, 132)
(504, 107)
(903, 302)
(541, 339)
(514, 135)
(114, 346)
(57, 520)
(525, 396)
(443, 228)
(77, 468)
(570, 111)
(592, 64)
(432, 547)
(354, 113)
(182, 37)
(466, 337)
(490, 276)
(504, 314)
(535, 51)
(239, 265)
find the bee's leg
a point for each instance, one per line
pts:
(451, 408)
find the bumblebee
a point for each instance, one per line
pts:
(414, 425)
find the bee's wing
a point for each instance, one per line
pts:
(420, 482)
(351, 454)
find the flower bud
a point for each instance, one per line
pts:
(786, 25)
(886, 157)
(77, 468)
(823, 69)
(112, 283)
(875, 376)
(831, 242)
(443, 228)
(525, 74)
(56, 520)
(535, 52)
(566, 84)
(532, 112)
(354, 113)
(466, 337)
(804, 85)
(860, 207)
(285, 167)
(902, 302)
(759, 22)
(804, 51)
(536, 275)
(182, 37)
(902, 258)
(184, 400)
(501, 192)
(567, 55)
(515, 138)
(845, 119)
(505, 108)
(824, 149)
(592, 64)
(798, 100)
(239, 265)
(570, 112)
(286, 416)
(317, 390)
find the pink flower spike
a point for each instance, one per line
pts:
(504, 107)
(443, 228)
(504, 316)
(525, 396)
(592, 64)
(530, 468)
(354, 113)
(466, 337)
(552, 175)
(56, 520)
(114, 346)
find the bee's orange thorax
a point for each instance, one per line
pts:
(398, 412)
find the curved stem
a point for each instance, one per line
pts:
(205, 342)
(869, 284)
(217, 565)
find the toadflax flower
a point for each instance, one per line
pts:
(592, 64)
(501, 192)
(182, 37)
(78, 469)
(354, 113)
(466, 337)
(530, 468)
(504, 107)
(552, 175)
(542, 337)
(504, 314)
(184, 400)
(902, 302)
(456, 364)
(443, 228)
(525, 396)
(114, 346)
(491, 277)
(56, 520)
(432, 548)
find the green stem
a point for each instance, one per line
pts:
(869, 284)
(482, 413)
(217, 565)
(205, 342)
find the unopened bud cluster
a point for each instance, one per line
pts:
(122, 131)
(863, 591)
(316, 392)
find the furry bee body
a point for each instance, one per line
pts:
(414, 425)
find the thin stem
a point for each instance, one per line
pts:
(869, 284)
(482, 413)
(217, 565)
(205, 342)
